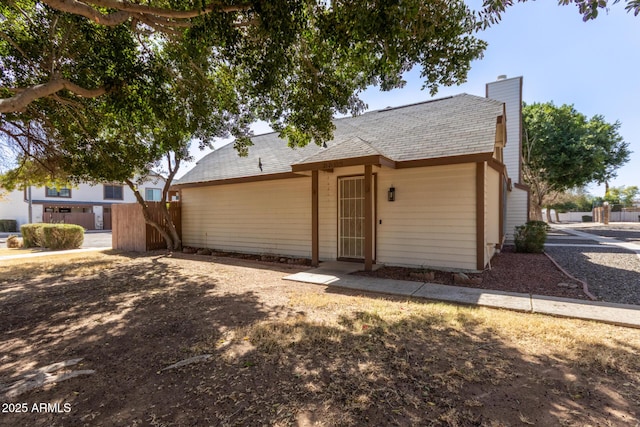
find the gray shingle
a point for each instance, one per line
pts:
(458, 125)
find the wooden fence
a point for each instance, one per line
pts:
(84, 219)
(131, 233)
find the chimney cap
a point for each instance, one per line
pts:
(502, 77)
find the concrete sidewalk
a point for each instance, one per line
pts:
(337, 274)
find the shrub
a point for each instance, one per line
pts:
(13, 242)
(8, 225)
(531, 236)
(62, 236)
(32, 235)
(587, 218)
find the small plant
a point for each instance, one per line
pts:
(32, 235)
(14, 242)
(531, 236)
(62, 236)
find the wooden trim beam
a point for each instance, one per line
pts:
(315, 234)
(368, 218)
(494, 164)
(480, 215)
(501, 202)
(377, 160)
(449, 160)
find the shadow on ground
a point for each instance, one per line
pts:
(277, 364)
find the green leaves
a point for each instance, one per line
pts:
(172, 78)
(562, 149)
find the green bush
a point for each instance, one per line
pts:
(62, 236)
(531, 236)
(32, 235)
(8, 225)
(587, 218)
(52, 236)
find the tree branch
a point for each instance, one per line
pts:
(167, 13)
(28, 95)
(125, 10)
(82, 9)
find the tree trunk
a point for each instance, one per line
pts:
(557, 217)
(548, 215)
(176, 242)
(169, 233)
(535, 212)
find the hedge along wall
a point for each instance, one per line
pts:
(52, 236)
(8, 225)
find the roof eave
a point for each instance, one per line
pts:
(237, 180)
(446, 160)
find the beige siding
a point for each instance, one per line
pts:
(271, 217)
(432, 221)
(492, 212)
(516, 210)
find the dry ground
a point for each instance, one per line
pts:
(286, 353)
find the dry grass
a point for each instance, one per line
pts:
(587, 344)
(294, 354)
(18, 251)
(78, 264)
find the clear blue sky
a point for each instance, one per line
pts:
(594, 65)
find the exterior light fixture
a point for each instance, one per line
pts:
(391, 195)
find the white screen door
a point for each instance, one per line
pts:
(351, 217)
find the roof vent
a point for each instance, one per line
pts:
(502, 77)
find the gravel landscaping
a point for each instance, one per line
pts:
(612, 274)
(632, 236)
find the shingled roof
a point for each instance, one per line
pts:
(454, 126)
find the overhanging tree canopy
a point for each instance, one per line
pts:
(101, 89)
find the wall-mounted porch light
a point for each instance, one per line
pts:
(391, 195)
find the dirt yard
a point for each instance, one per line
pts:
(255, 350)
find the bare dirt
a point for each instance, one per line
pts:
(281, 353)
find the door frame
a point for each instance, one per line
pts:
(374, 208)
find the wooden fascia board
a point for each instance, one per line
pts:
(497, 166)
(377, 160)
(449, 160)
(255, 178)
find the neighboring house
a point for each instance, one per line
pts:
(84, 204)
(423, 185)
